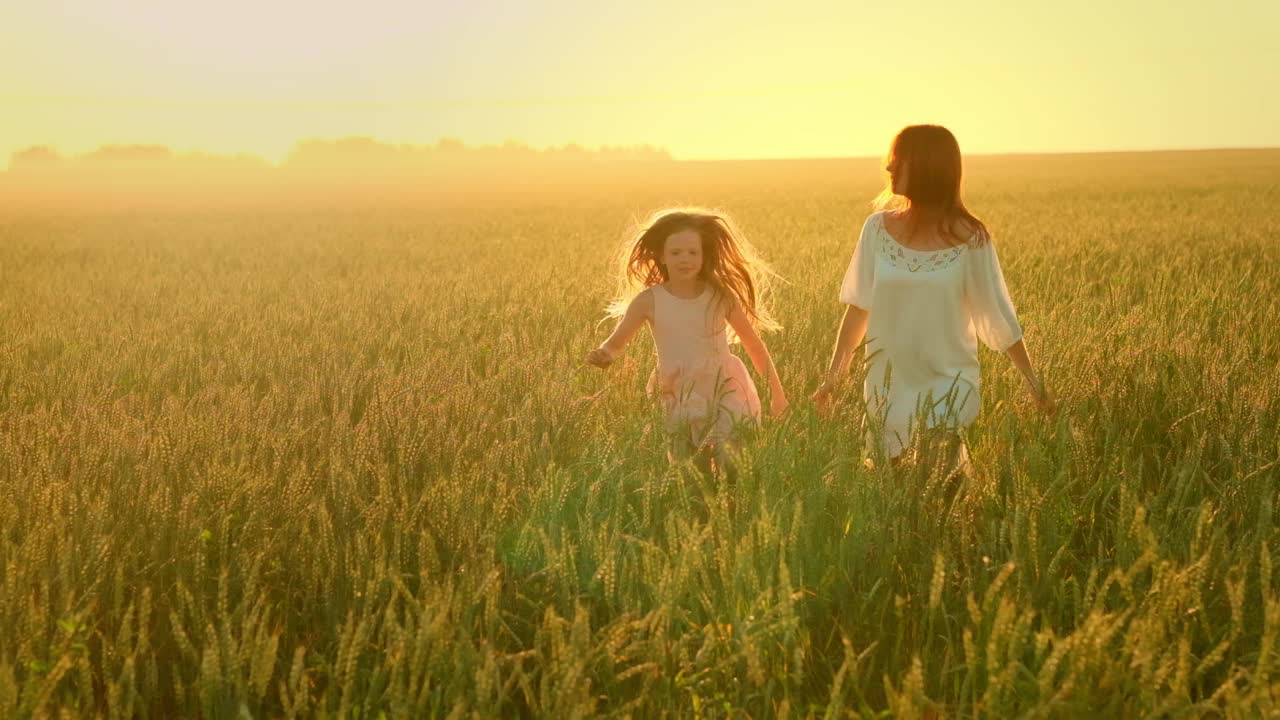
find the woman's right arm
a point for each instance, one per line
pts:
(852, 329)
(640, 309)
(856, 292)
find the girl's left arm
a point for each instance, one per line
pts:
(760, 358)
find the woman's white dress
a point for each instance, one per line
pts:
(926, 312)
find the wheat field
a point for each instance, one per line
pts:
(346, 461)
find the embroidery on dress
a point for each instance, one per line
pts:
(916, 260)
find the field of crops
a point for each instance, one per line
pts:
(348, 462)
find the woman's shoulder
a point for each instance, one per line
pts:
(969, 231)
(878, 217)
(874, 222)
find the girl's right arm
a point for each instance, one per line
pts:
(640, 310)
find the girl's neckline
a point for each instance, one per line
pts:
(885, 229)
(706, 288)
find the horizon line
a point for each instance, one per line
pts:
(1010, 153)
(180, 152)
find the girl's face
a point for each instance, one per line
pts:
(682, 254)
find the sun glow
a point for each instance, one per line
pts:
(707, 81)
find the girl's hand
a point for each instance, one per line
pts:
(600, 357)
(778, 404)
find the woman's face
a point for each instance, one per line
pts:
(897, 175)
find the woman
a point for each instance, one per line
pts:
(923, 286)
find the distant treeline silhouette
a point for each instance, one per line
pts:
(350, 166)
(343, 154)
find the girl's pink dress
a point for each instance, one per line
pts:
(704, 388)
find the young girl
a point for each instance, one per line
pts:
(688, 274)
(924, 285)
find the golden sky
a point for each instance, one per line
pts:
(703, 79)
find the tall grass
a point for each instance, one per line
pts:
(349, 463)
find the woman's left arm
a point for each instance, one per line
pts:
(1018, 355)
(760, 358)
(996, 321)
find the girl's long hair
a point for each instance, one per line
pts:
(730, 264)
(931, 157)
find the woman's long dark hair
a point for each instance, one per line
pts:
(931, 157)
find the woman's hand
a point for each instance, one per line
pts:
(600, 357)
(853, 330)
(1043, 399)
(822, 397)
(778, 404)
(1017, 352)
(1046, 403)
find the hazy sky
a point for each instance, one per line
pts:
(704, 80)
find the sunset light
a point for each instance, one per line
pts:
(703, 80)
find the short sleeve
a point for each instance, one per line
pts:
(987, 298)
(860, 279)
